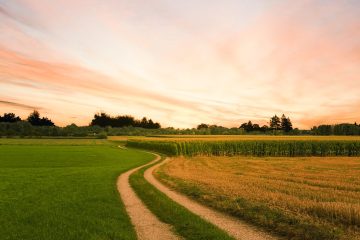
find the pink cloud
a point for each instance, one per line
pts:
(298, 58)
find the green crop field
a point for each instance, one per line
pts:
(63, 189)
(250, 146)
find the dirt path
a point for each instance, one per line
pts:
(147, 226)
(233, 226)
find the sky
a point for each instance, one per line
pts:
(182, 63)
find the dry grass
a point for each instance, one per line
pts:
(119, 138)
(291, 196)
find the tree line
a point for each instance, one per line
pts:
(104, 120)
(275, 123)
(34, 119)
(337, 129)
(103, 125)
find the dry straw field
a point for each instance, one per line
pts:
(300, 198)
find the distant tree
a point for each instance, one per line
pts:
(243, 126)
(153, 125)
(286, 124)
(46, 122)
(150, 124)
(346, 129)
(101, 119)
(123, 121)
(264, 128)
(215, 130)
(256, 127)
(275, 122)
(322, 130)
(249, 127)
(144, 122)
(202, 125)
(9, 117)
(34, 119)
(157, 125)
(105, 120)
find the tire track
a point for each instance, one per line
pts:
(233, 226)
(146, 225)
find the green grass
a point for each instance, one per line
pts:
(185, 223)
(63, 189)
(54, 141)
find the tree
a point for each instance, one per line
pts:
(123, 121)
(286, 124)
(105, 120)
(9, 117)
(256, 127)
(144, 122)
(249, 127)
(152, 125)
(275, 122)
(35, 120)
(101, 119)
(202, 125)
(264, 128)
(322, 130)
(243, 126)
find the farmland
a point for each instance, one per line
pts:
(177, 138)
(300, 187)
(300, 198)
(295, 187)
(63, 189)
(250, 145)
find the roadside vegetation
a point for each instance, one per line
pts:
(63, 189)
(299, 198)
(185, 223)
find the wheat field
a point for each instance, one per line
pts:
(300, 198)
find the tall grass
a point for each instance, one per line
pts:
(288, 148)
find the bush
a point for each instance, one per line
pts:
(102, 135)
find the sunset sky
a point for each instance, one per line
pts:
(182, 63)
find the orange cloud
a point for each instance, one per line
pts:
(183, 67)
(64, 80)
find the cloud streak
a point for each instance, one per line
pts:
(183, 67)
(19, 105)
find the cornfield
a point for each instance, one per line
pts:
(275, 148)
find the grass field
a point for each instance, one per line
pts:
(54, 141)
(300, 198)
(63, 189)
